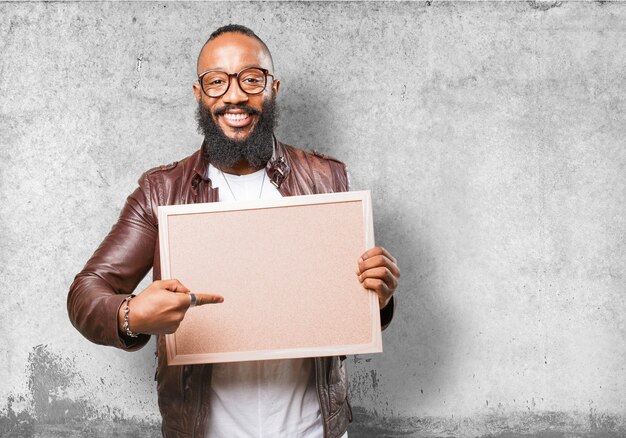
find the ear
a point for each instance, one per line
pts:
(275, 86)
(197, 92)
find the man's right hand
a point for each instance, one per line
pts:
(160, 308)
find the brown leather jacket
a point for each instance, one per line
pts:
(131, 249)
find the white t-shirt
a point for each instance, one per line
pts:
(272, 398)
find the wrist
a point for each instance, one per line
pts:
(123, 316)
(120, 317)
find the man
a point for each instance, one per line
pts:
(236, 93)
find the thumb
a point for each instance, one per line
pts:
(174, 286)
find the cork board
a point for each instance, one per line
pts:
(286, 268)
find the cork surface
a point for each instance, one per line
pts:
(289, 287)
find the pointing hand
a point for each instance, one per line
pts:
(160, 308)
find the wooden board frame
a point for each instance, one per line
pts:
(179, 253)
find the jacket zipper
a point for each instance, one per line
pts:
(196, 418)
(319, 398)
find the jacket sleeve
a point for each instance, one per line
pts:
(114, 271)
(386, 313)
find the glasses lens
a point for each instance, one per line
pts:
(252, 80)
(215, 83)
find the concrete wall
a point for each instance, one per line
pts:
(491, 134)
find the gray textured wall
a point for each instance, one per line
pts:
(491, 134)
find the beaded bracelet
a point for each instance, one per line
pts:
(125, 326)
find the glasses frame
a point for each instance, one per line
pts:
(265, 71)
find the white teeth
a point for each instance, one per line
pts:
(236, 117)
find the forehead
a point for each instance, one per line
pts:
(232, 52)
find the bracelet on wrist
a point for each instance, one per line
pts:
(125, 327)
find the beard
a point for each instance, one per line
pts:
(256, 149)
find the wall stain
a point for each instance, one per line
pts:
(50, 378)
(368, 424)
(374, 379)
(365, 384)
(138, 66)
(49, 409)
(544, 5)
(16, 424)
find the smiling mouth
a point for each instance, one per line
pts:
(236, 117)
(236, 120)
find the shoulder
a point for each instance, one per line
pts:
(337, 169)
(168, 183)
(322, 167)
(312, 155)
(171, 171)
(162, 168)
(321, 156)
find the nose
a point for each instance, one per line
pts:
(234, 94)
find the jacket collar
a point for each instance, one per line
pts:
(201, 164)
(277, 167)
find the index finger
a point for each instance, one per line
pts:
(202, 299)
(377, 250)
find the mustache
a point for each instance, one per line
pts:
(222, 110)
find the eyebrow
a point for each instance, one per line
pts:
(223, 70)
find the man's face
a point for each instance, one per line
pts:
(252, 152)
(235, 113)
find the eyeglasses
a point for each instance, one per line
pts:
(252, 80)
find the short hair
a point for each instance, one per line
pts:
(238, 28)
